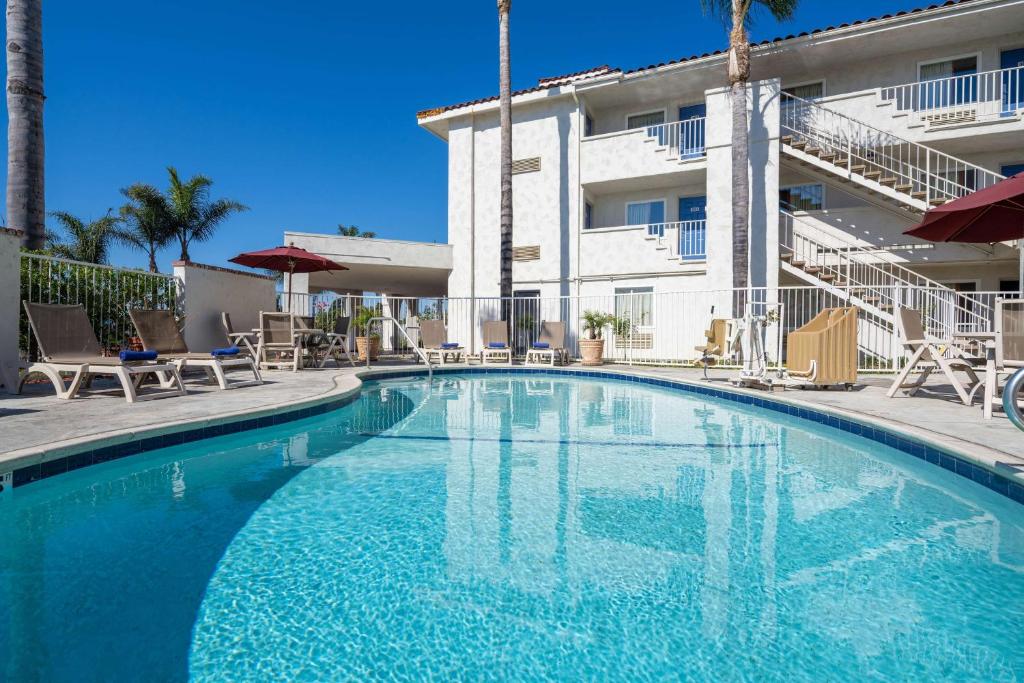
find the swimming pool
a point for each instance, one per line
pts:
(520, 527)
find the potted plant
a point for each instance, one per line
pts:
(367, 337)
(592, 348)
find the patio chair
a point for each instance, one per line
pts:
(927, 354)
(550, 344)
(1009, 339)
(280, 342)
(338, 342)
(240, 339)
(495, 333)
(159, 332)
(314, 344)
(823, 352)
(68, 345)
(434, 337)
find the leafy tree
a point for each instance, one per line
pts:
(146, 221)
(89, 242)
(193, 216)
(736, 14)
(353, 231)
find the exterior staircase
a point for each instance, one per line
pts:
(869, 279)
(872, 163)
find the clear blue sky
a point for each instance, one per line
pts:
(305, 111)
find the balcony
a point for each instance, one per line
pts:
(684, 240)
(986, 96)
(655, 151)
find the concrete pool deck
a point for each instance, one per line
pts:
(36, 427)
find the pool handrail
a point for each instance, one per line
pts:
(423, 356)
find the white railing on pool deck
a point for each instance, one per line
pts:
(107, 293)
(663, 327)
(683, 139)
(972, 97)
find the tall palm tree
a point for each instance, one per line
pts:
(146, 221)
(737, 14)
(193, 216)
(353, 231)
(26, 206)
(505, 106)
(89, 242)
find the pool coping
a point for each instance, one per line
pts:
(983, 465)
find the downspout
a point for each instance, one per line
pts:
(472, 231)
(579, 190)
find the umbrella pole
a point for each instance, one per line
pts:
(1020, 266)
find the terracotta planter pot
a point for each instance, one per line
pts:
(373, 343)
(592, 351)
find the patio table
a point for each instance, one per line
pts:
(305, 333)
(986, 340)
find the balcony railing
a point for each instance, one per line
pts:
(683, 139)
(973, 97)
(685, 239)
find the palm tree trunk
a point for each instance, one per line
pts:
(739, 74)
(152, 259)
(26, 207)
(505, 96)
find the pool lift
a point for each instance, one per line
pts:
(749, 335)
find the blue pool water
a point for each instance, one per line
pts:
(514, 527)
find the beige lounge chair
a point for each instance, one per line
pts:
(159, 332)
(495, 333)
(434, 337)
(68, 345)
(553, 335)
(239, 339)
(823, 352)
(1009, 344)
(338, 342)
(280, 344)
(926, 354)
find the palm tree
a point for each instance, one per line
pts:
(146, 221)
(353, 231)
(26, 205)
(737, 14)
(193, 216)
(505, 102)
(89, 242)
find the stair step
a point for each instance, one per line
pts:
(826, 277)
(827, 156)
(872, 175)
(786, 257)
(799, 144)
(857, 168)
(812, 270)
(903, 187)
(787, 139)
(813, 151)
(890, 181)
(919, 194)
(871, 299)
(937, 201)
(841, 162)
(798, 264)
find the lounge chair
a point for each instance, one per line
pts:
(68, 344)
(280, 343)
(240, 339)
(823, 352)
(159, 332)
(496, 344)
(1009, 344)
(550, 344)
(926, 354)
(338, 342)
(434, 338)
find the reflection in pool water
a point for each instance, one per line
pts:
(516, 527)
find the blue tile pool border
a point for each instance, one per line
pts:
(948, 460)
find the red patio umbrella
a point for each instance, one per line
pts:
(290, 259)
(995, 214)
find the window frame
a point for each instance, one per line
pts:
(664, 210)
(664, 118)
(823, 81)
(588, 215)
(823, 187)
(630, 291)
(927, 62)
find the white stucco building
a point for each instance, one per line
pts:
(622, 178)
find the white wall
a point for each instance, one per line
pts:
(208, 291)
(10, 293)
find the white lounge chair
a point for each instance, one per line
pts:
(495, 333)
(434, 337)
(550, 345)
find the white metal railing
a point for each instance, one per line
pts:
(864, 151)
(972, 97)
(868, 279)
(106, 292)
(682, 139)
(400, 329)
(684, 239)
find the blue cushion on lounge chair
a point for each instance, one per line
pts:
(137, 355)
(450, 345)
(228, 351)
(541, 345)
(497, 345)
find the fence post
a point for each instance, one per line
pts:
(10, 313)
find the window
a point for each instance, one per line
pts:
(1011, 169)
(588, 125)
(635, 304)
(807, 91)
(943, 85)
(651, 214)
(802, 197)
(1007, 286)
(651, 118)
(588, 216)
